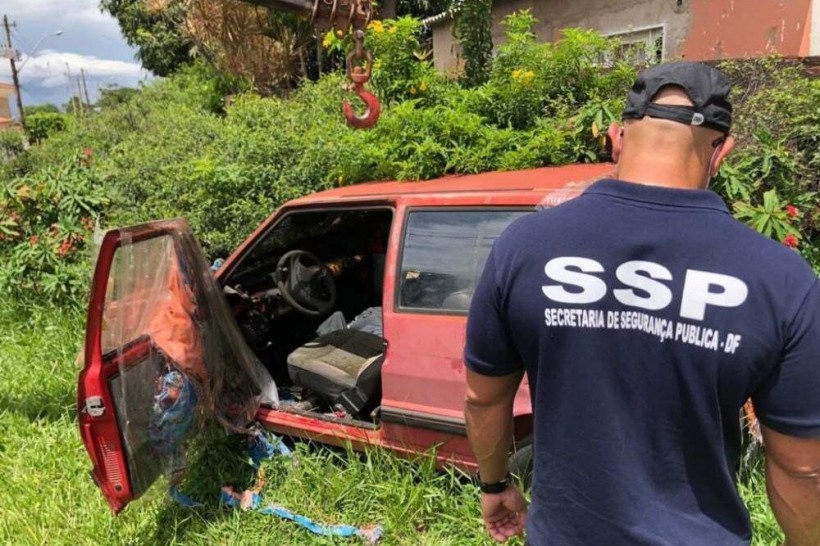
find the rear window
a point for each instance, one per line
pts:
(137, 284)
(444, 254)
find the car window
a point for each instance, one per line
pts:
(137, 284)
(444, 254)
(348, 229)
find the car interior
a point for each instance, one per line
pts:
(307, 298)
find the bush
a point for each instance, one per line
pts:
(42, 125)
(534, 80)
(11, 145)
(774, 172)
(46, 221)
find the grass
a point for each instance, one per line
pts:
(47, 496)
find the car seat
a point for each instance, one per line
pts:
(343, 366)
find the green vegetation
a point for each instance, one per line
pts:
(473, 29)
(178, 148)
(41, 109)
(155, 29)
(47, 496)
(42, 124)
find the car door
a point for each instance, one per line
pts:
(442, 255)
(163, 357)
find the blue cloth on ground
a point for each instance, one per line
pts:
(261, 448)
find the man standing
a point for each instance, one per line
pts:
(644, 316)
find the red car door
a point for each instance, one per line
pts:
(163, 356)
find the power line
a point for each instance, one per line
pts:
(20, 38)
(35, 95)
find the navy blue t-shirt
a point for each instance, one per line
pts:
(645, 317)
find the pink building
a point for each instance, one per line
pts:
(6, 92)
(660, 30)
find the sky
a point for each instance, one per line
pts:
(90, 40)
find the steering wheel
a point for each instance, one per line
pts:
(305, 282)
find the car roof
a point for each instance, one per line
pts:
(574, 177)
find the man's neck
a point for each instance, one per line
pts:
(648, 176)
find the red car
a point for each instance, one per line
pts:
(341, 319)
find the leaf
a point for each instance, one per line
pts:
(770, 201)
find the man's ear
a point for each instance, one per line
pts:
(725, 149)
(615, 134)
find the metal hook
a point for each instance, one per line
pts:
(371, 114)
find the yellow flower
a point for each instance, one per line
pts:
(327, 40)
(340, 33)
(393, 29)
(376, 26)
(423, 87)
(522, 76)
(413, 90)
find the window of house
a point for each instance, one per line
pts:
(444, 254)
(638, 47)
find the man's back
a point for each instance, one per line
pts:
(645, 317)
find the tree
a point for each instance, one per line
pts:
(114, 95)
(473, 29)
(156, 30)
(41, 109)
(75, 105)
(417, 8)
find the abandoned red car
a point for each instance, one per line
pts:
(341, 319)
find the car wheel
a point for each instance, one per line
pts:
(520, 463)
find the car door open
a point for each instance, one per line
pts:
(163, 357)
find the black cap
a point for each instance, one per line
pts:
(707, 87)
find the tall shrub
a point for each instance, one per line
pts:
(472, 29)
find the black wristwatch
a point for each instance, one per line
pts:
(494, 487)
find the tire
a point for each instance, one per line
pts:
(520, 462)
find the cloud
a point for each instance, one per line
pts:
(48, 69)
(67, 10)
(80, 20)
(90, 40)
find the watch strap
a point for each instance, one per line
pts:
(494, 487)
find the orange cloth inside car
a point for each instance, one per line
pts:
(172, 326)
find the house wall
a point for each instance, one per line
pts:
(605, 16)
(694, 29)
(814, 33)
(445, 48)
(5, 94)
(748, 28)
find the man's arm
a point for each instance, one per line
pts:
(488, 410)
(793, 485)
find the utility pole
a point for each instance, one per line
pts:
(77, 105)
(12, 55)
(85, 88)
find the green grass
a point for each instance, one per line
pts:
(47, 496)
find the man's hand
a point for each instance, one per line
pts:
(504, 513)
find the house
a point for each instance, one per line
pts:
(6, 91)
(660, 30)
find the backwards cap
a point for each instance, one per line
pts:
(707, 87)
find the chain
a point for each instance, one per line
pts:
(342, 16)
(357, 73)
